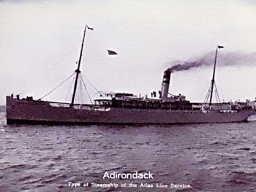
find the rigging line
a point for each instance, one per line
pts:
(83, 90)
(207, 95)
(217, 94)
(216, 98)
(86, 90)
(69, 89)
(80, 91)
(92, 85)
(69, 93)
(78, 99)
(83, 100)
(57, 86)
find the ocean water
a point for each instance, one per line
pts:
(201, 157)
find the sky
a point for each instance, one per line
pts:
(40, 43)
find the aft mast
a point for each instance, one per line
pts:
(78, 67)
(213, 76)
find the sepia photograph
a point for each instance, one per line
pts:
(128, 95)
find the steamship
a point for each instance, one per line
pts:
(127, 108)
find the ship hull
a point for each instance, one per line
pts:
(42, 112)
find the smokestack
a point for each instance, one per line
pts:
(165, 84)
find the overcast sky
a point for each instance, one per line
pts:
(40, 43)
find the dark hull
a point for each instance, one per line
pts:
(41, 112)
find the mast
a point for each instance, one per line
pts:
(213, 75)
(78, 67)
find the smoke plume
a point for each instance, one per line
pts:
(224, 59)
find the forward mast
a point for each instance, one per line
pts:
(78, 66)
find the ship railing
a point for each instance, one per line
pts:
(92, 107)
(76, 106)
(228, 111)
(56, 104)
(81, 106)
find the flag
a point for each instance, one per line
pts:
(111, 52)
(219, 46)
(89, 27)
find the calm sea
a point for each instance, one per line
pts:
(207, 157)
